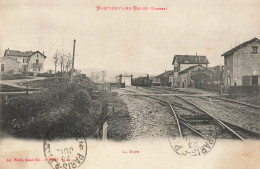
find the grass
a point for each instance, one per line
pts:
(6, 88)
(32, 115)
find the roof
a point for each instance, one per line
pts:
(21, 54)
(231, 51)
(4, 58)
(190, 59)
(167, 73)
(192, 67)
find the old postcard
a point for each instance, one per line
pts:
(129, 84)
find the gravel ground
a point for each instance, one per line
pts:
(241, 116)
(255, 100)
(149, 119)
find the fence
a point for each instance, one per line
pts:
(209, 87)
(244, 90)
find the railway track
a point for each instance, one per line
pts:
(167, 90)
(236, 102)
(193, 121)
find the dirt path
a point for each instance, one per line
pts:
(15, 83)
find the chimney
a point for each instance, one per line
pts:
(8, 51)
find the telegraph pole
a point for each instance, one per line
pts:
(72, 69)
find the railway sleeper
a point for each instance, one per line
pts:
(195, 120)
(196, 117)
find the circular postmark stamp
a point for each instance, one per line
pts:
(196, 139)
(64, 146)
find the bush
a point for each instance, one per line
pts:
(45, 75)
(12, 76)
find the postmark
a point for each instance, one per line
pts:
(64, 147)
(192, 144)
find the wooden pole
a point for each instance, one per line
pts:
(105, 125)
(72, 69)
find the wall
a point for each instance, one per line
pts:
(11, 64)
(172, 80)
(245, 63)
(228, 62)
(38, 69)
(127, 80)
(244, 90)
(184, 79)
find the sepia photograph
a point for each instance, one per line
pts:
(129, 84)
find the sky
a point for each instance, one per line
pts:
(140, 41)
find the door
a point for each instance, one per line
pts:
(254, 80)
(228, 81)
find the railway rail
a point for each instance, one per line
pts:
(192, 120)
(236, 102)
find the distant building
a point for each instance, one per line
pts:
(165, 79)
(182, 62)
(125, 79)
(28, 61)
(242, 64)
(194, 76)
(155, 81)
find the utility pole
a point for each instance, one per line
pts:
(72, 69)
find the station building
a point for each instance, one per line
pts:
(183, 62)
(242, 64)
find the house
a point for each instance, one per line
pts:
(125, 79)
(165, 79)
(182, 62)
(28, 61)
(9, 64)
(242, 64)
(194, 76)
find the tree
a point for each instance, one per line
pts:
(61, 61)
(68, 62)
(56, 60)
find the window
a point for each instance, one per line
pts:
(37, 61)
(2, 67)
(254, 49)
(24, 61)
(227, 60)
(176, 69)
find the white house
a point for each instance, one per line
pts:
(28, 61)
